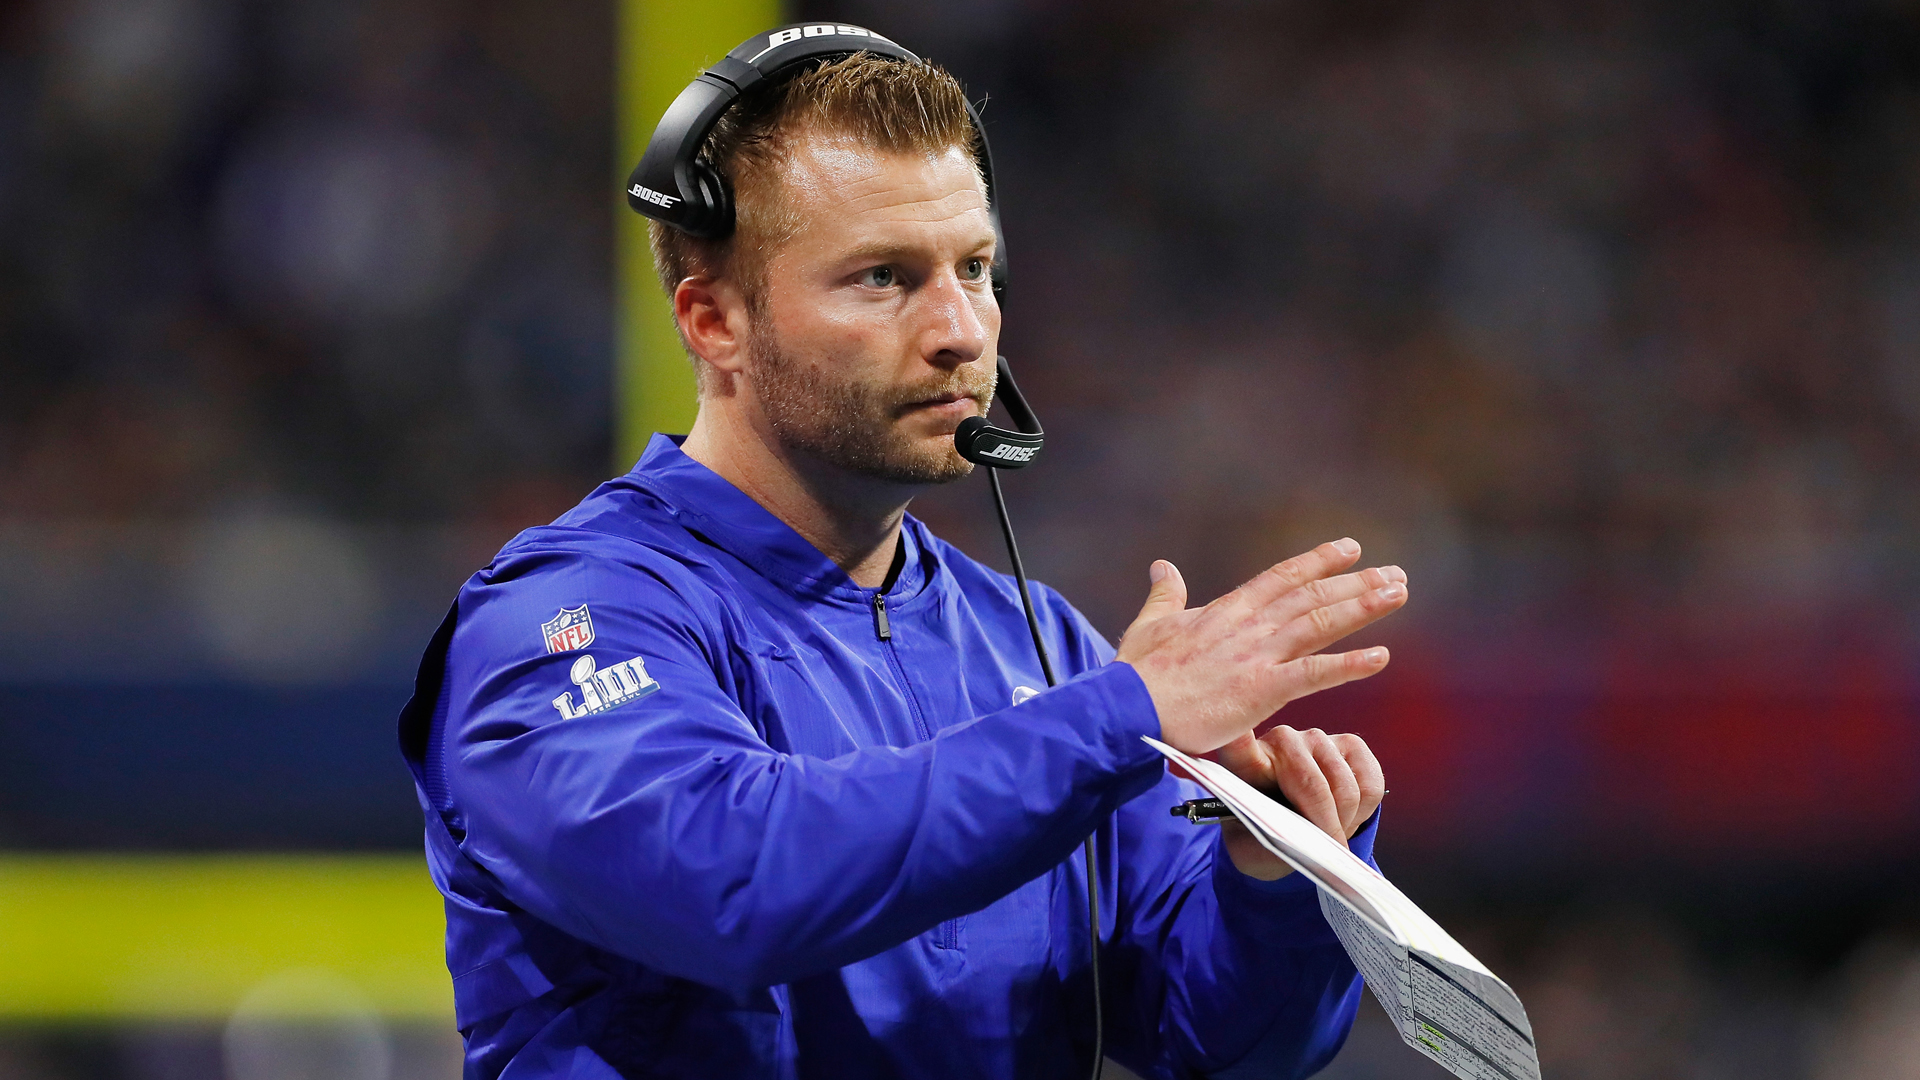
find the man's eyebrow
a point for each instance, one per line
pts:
(888, 250)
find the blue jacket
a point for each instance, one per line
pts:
(702, 807)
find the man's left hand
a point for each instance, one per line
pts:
(1333, 781)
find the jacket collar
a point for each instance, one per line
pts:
(731, 519)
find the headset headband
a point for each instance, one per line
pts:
(673, 185)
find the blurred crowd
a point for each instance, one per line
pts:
(340, 260)
(1601, 318)
(272, 274)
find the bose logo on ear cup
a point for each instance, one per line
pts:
(641, 191)
(793, 34)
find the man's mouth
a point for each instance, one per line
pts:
(960, 405)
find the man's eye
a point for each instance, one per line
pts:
(974, 270)
(879, 277)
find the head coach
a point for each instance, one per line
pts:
(735, 770)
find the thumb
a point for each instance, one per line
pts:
(1168, 594)
(1245, 757)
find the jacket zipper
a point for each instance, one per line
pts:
(949, 934)
(883, 629)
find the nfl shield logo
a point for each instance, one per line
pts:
(571, 629)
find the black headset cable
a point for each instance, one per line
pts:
(1090, 847)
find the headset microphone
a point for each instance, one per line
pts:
(996, 447)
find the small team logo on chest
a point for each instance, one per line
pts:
(571, 629)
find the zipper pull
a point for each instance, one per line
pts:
(881, 628)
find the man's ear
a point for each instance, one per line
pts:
(712, 315)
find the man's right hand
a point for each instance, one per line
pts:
(1216, 672)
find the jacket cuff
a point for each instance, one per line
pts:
(1118, 699)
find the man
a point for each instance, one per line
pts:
(735, 770)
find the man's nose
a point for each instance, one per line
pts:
(956, 329)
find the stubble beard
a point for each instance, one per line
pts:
(853, 425)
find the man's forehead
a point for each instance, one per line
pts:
(842, 182)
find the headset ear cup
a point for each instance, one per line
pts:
(713, 217)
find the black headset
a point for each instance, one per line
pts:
(675, 186)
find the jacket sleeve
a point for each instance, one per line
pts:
(663, 828)
(1211, 972)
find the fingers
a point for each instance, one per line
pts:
(1303, 779)
(1311, 674)
(1333, 781)
(1276, 581)
(1309, 587)
(1339, 776)
(1252, 760)
(1213, 671)
(1334, 590)
(1366, 773)
(1320, 627)
(1247, 758)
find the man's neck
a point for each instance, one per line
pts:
(854, 520)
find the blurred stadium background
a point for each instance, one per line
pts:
(1601, 317)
